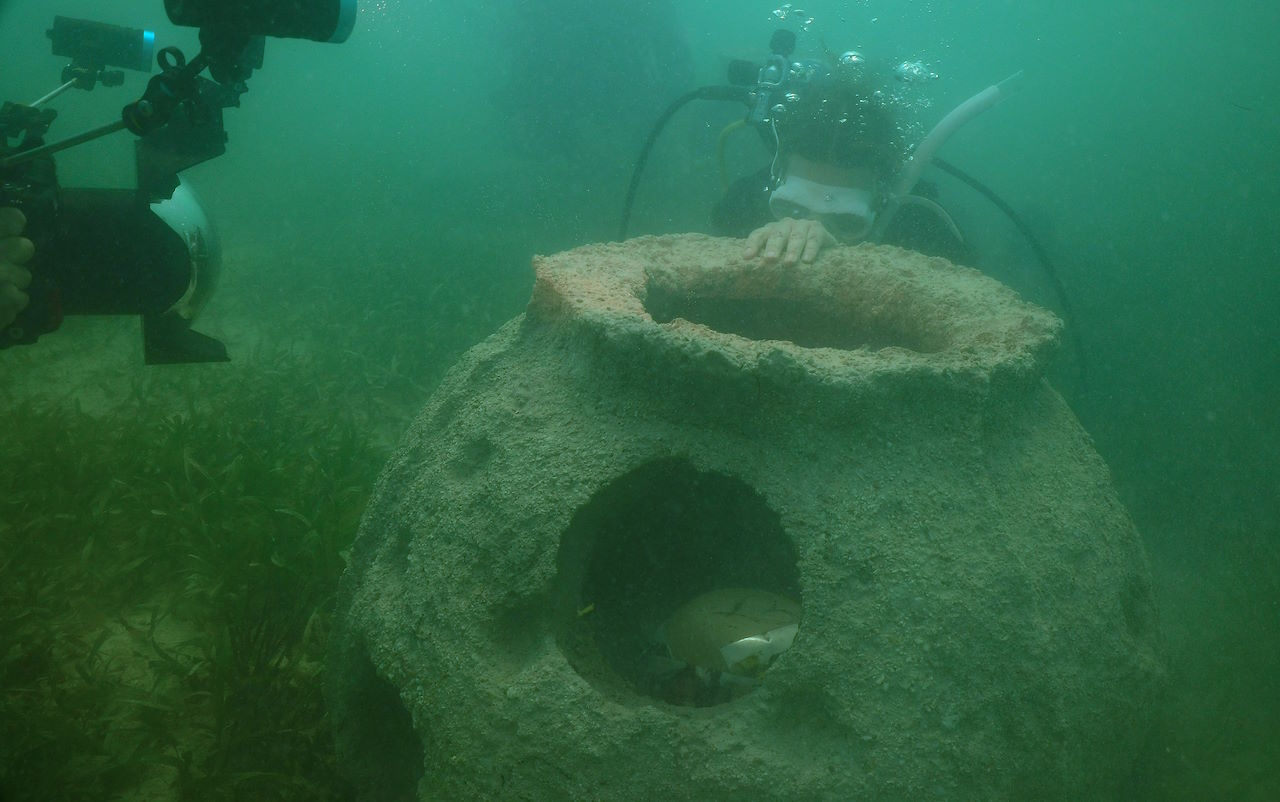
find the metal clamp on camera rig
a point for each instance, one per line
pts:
(147, 251)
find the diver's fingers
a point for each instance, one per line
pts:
(755, 241)
(12, 221)
(12, 301)
(779, 237)
(16, 250)
(797, 243)
(13, 275)
(814, 242)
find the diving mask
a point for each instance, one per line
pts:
(846, 211)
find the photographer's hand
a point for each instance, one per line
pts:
(15, 251)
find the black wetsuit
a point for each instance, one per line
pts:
(745, 207)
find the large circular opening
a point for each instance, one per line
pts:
(677, 584)
(860, 321)
(831, 314)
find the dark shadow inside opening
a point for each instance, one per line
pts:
(646, 544)
(809, 323)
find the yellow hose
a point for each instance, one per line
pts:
(724, 136)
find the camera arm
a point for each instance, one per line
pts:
(177, 84)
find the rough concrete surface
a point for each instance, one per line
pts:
(871, 436)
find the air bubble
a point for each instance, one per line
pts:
(912, 72)
(786, 11)
(851, 58)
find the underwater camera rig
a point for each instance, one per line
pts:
(150, 250)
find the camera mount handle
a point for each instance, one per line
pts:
(175, 84)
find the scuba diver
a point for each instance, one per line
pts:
(837, 149)
(843, 170)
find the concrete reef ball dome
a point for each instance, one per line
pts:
(858, 464)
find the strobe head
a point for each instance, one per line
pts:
(98, 45)
(318, 20)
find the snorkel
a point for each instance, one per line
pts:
(900, 191)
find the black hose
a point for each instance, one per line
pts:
(1041, 255)
(734, 93)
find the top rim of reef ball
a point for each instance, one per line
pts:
(861, 318)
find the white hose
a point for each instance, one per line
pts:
(941, 132)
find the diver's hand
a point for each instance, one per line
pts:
(15, 251)
(790, 240)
